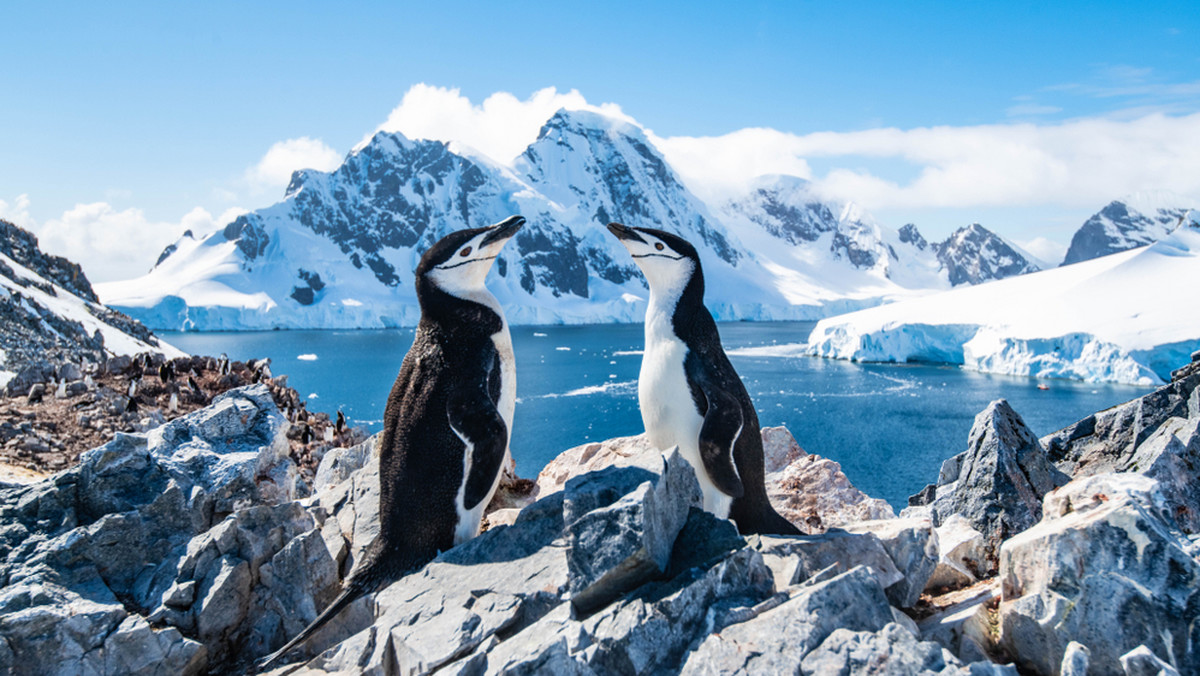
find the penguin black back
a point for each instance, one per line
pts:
(447, 420)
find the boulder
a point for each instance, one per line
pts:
(1106, 568)
(777, 640)
(796, 559)
(1141, 661)
(962, 556)
(812, 492)
(964, 622)
(893, 651)
(999, 481)
(621, 525)
(913, 545)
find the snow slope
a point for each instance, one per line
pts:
(1129, 317)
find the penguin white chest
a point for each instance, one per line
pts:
(668, 410)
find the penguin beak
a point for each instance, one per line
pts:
(625, 232)
(503, 230)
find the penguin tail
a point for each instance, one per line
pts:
(763, 521)
(373, 575)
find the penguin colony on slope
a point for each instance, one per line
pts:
(449, 415)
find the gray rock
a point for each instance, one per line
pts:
(913, 546)
(1142, 662)
(962, 556)
(136, 649)
(1001, 478)
(777, 640)
(796, 559)
(1075, 660)
(621, 525)
(1104, 568)
(891, 651)
(338, 464)
(964, 627)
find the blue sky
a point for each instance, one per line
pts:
(129, 122)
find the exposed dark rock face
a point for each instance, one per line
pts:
(1120, 227)
(33, 334)
(998, 483)
(974, 254)
(910, 235)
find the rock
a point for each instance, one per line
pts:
(135, 649)
(1105, 568)
(779, 449)
(810, 491)
(796, 559)
(119, 525)
(1000, 479)
(777, 640)
(813, 493)
(891, 650)
(962, 557)
(338, 464)
(964, 624)
(913, 546)
(633, 451)
(1075, 660)
(621, 525)
(1141, 661)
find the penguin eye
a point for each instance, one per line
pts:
(658, 245)
(465, 252)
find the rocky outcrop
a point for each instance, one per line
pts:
(997, 484)
(810, 491)
(1105, 568)
(1155, 435)
(99, 570)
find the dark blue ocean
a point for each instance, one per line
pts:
(890, 426)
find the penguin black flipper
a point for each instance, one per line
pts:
(722, 425)
(474, 418)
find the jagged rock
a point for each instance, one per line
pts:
(634, 451)
(338, 464)
(621, 525)
(135, 648)
(1001, 477)
(1105, 568)
(812, 492)
(1075, 660)
(780, 449)
(796, 559)
(1141, 661)
(963, 624)
(1155, 435)
(913, 546)
(776, 640)
(118, 525)
(962, 557)
(891, 651)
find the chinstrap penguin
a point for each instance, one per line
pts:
(689, 394)
(448, 419)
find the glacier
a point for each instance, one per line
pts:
(1112, 319)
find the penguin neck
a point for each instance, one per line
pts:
(675, 309)
(473, 311)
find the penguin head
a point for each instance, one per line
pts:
(459, 262)
(667, 260)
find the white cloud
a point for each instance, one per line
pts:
(500, 128)
(1079, 163)
(17, 212)
(110, 244)
(1048, 250)
(275, 168)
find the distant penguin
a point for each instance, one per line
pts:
(173, 403)
(306, 434)
(131, 391)
(689, 393)
(340, 426)
(61, 391)
(223, 367)
(165, 372)
(195, 386)
(448, 418)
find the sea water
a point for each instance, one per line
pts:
(889, 425)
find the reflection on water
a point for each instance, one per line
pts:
(890, 426)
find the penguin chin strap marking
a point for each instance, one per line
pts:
(658, 255)
(459, 265)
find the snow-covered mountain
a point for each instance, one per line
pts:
(49, 312)
(974, 254)
(339, 250)
(1137, 220)
(1112, 319)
